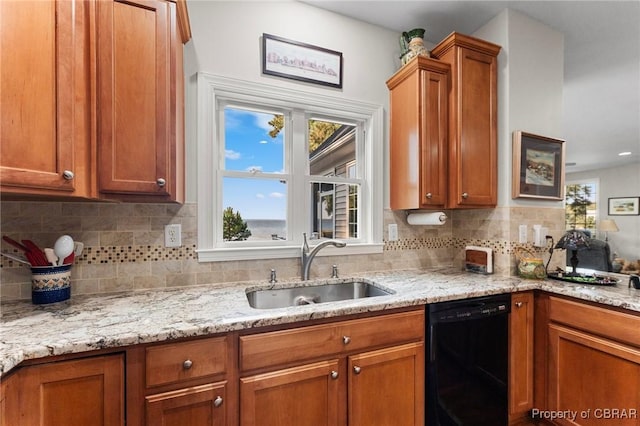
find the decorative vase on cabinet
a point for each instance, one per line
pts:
(413, 42)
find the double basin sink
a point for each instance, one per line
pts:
(305, 294)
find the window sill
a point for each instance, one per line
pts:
(255, 253)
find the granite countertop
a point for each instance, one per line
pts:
(86, 323)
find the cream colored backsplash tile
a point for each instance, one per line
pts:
(124, 245)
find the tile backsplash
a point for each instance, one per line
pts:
(124, 245)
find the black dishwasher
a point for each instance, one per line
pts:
(467, 357)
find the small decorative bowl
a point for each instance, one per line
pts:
(50, 284)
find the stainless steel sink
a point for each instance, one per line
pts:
(307, 295)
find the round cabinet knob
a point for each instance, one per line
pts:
(429, 195)
(356, 369)
(519, 304)
(187, 364)
(465, 195)
(334, 375)
(346, 340)
(217, 402)
(68, 174)
(161, 182)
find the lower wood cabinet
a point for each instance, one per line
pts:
(199, 405)
(358, 372)
(521, 349)
(592, 364)
(80, 392)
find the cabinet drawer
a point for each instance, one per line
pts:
(304, 343)
(176, 362)
(613, 324)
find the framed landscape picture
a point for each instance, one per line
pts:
(624, 206)
(301, 61)
(538, 167)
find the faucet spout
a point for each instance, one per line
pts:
(307, 256)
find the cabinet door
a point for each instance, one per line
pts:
(386, 387)
(473, 173)
(308, 395)
(195, 406)
(83, 392)
(594, 377)
(418, 135)
(137, 98)
(44, 124)
(433, 147)
(520, 355)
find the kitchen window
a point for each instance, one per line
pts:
(581, 205)
(274, 163)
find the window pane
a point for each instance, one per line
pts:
(261, 205)
(253, 141)
(331, 147)
(334, 210)
(581, 206)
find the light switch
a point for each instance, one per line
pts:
(393, 232)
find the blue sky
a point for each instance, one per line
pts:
(248, 146)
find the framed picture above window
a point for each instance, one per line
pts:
(624, 206)
(300, 61)
(538, 167)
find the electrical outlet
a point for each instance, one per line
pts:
(393, 232)
(173, 235)
(522, 234)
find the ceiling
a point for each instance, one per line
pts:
(601, 106)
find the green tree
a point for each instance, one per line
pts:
(233, 227)
(578, 200)
(319, 131)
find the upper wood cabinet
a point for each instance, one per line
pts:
(140, 101)
(93, 99)
(473, 118)
(419, 134)
(45, 114)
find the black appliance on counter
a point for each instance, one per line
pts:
(467, 359)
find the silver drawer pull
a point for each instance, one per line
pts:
(334, 374)
(429, 195)
(187, 364)
(356, 369)
(161, 182)
(68, 175)
(519, 304)
(217, 402)
(346, 340)
(465, 195)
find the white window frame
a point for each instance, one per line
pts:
(214, 90)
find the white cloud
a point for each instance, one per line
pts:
(263, 142)
(231, 154)
(254, 169)
(259, 195)
(277, 195)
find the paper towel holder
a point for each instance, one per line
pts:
(421, 217)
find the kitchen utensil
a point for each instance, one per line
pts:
(51, 256)
(69, 259)
(15, 244)
(38, 256)
(16, 258)
(78, 246)
(63, 248)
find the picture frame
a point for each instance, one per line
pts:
(624, 206)
(538, 167)
(301, 61)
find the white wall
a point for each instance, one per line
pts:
(617, 182)
(227, 42)
(530, 80)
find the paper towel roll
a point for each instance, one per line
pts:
(422, 218)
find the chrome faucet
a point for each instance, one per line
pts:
(307, 256)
